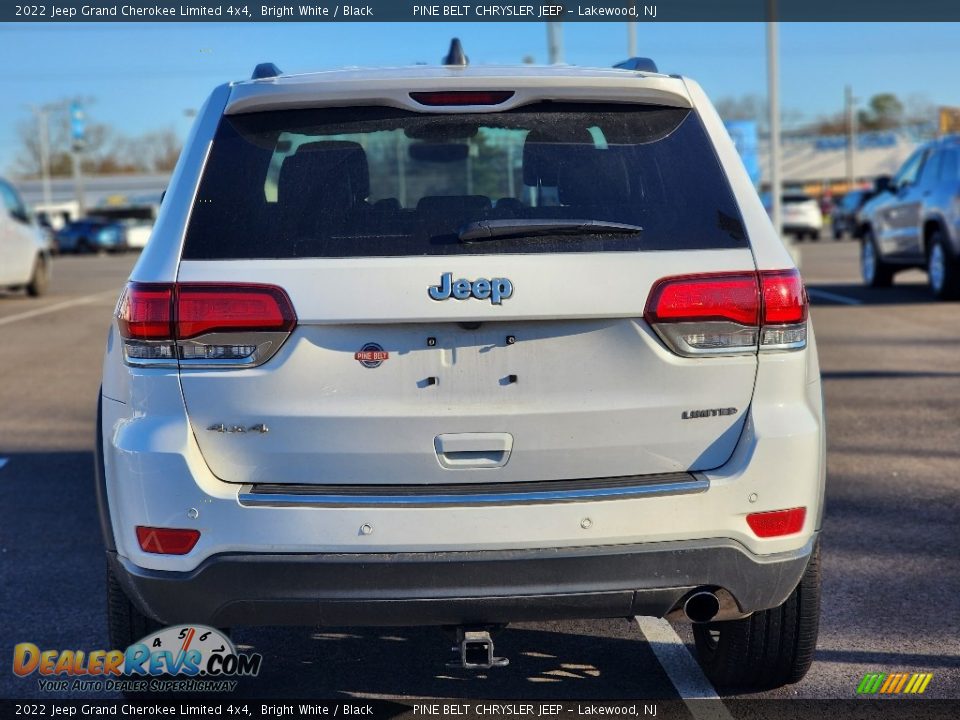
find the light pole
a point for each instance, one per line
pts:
(77, 133)
(850, 103)
(43, 127)
(773, 100)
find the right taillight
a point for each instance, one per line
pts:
(729, 313)
(785, 307)
(204, 325)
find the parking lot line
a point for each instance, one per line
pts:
(826, 295)
(682, 669)
(85, 299)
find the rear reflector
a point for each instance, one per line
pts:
(727, 313)
(462, 97)
(777, 523)
(195, 323)
(167, 541)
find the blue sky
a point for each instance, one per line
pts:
(144, 75)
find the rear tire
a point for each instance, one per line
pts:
(125, 623)
(40, 279)
(875, 272)
(943, 270)
(770, 648)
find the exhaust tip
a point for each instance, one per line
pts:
(701, 606)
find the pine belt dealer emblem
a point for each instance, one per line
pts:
(371, 355)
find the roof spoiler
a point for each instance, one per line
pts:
(642, 64)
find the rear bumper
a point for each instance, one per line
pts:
(450, 588)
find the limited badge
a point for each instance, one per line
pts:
(371, 355)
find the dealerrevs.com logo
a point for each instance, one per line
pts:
(186, 658)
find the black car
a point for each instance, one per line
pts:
(844, 216)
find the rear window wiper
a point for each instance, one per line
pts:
(496, 229)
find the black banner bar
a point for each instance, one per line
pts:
(434, 709)
(473, 11)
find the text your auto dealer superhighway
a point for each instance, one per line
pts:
(136, 11)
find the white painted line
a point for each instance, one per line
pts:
(4, 461)
(84, 300)
(682, 669)
(816, 292)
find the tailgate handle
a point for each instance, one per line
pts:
(461, 451)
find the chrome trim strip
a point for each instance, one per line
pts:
(686, 487)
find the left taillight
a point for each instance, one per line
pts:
(203, 324)
(729, 313)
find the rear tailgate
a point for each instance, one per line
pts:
(567, 368)
(380, 383)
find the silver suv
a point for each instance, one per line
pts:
(915, 221)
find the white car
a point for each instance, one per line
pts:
(461, 346)
(24, 249)
(801, 216)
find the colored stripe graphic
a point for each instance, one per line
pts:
(891, 681)
(918, 683)
(870, 683)
(897, 683)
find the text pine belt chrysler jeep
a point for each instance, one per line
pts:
(461, 346)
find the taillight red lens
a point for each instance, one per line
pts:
(145, 312)
(168, 311)
(167, 541)
(462, 97)
(167, 325)
(777, 522)
(697, 298)
(728, 313)
(784, 298)
(206, 308)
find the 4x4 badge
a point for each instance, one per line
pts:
(495, 289)
(371, 355)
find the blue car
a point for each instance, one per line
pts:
(92, 235)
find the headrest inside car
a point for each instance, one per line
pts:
(329, 172)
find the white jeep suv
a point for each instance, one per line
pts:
(461, 346)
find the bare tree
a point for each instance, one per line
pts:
(160, 150)
(754, 107)
(105, 151)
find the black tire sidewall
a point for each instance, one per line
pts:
(951, 269)
(769, 649)
(40, 278)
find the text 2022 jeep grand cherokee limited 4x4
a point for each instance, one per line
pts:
(461, 346)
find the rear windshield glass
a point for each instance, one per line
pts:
(364, 182)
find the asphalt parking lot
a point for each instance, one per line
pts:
(891, 599)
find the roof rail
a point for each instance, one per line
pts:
(642, 64)
(265, 70)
